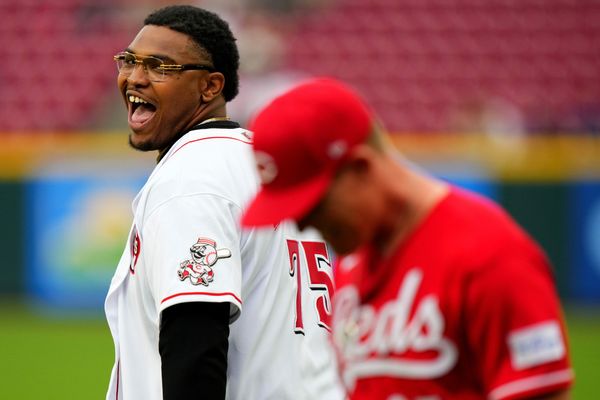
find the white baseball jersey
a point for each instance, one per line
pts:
(186, 245)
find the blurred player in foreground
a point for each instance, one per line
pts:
(199, 308)
(440, 295)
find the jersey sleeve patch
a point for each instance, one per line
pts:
(535, 345)
(199, 268)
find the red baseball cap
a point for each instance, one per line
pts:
(300, 139)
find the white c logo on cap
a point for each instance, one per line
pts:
(267, 169)
(337, 149)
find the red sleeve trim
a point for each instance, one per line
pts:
(507, 390)
(201, 294)
(118, 379)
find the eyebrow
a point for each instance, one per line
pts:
(161, 56)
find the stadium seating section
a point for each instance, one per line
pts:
(418, 60)
(57, 63)
(415, 60)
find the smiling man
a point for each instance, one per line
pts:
(177, 87)
(198, 307)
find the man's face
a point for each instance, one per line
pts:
(346, 216)
(174, 104)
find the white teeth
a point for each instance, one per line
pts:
(135, 99)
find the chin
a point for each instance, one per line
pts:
(140, 144)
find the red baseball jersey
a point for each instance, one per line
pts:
(465, 308)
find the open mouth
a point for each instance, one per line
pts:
(140, 111)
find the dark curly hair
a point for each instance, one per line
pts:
(208, 31)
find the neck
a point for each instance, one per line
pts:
(213, 119)
(411, 197)
(206, 112)
(215, 111)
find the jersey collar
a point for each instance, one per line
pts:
(208, 124)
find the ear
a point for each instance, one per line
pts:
(212, 86)
(361, 159)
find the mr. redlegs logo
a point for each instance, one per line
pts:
(204, 255)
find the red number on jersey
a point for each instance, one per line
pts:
(319, 279)
(295, 270)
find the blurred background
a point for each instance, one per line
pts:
(500, 96)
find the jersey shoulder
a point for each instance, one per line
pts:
(476, 231)
(216, 162)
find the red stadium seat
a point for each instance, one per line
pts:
(432, 52)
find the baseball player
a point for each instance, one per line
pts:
(199, 307)
(439, 294)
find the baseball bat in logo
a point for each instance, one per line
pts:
(199, 268)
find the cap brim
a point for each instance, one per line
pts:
(271, 206)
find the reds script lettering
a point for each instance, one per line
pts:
(367, 337)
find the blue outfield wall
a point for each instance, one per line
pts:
(76, 228)
(12, 214)
(63, 235)
(584, 243)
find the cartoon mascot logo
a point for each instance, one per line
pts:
(204, 255)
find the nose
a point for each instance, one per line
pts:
(138, 74)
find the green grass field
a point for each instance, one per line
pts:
(50, 359)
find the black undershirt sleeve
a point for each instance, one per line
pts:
(193, 345)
